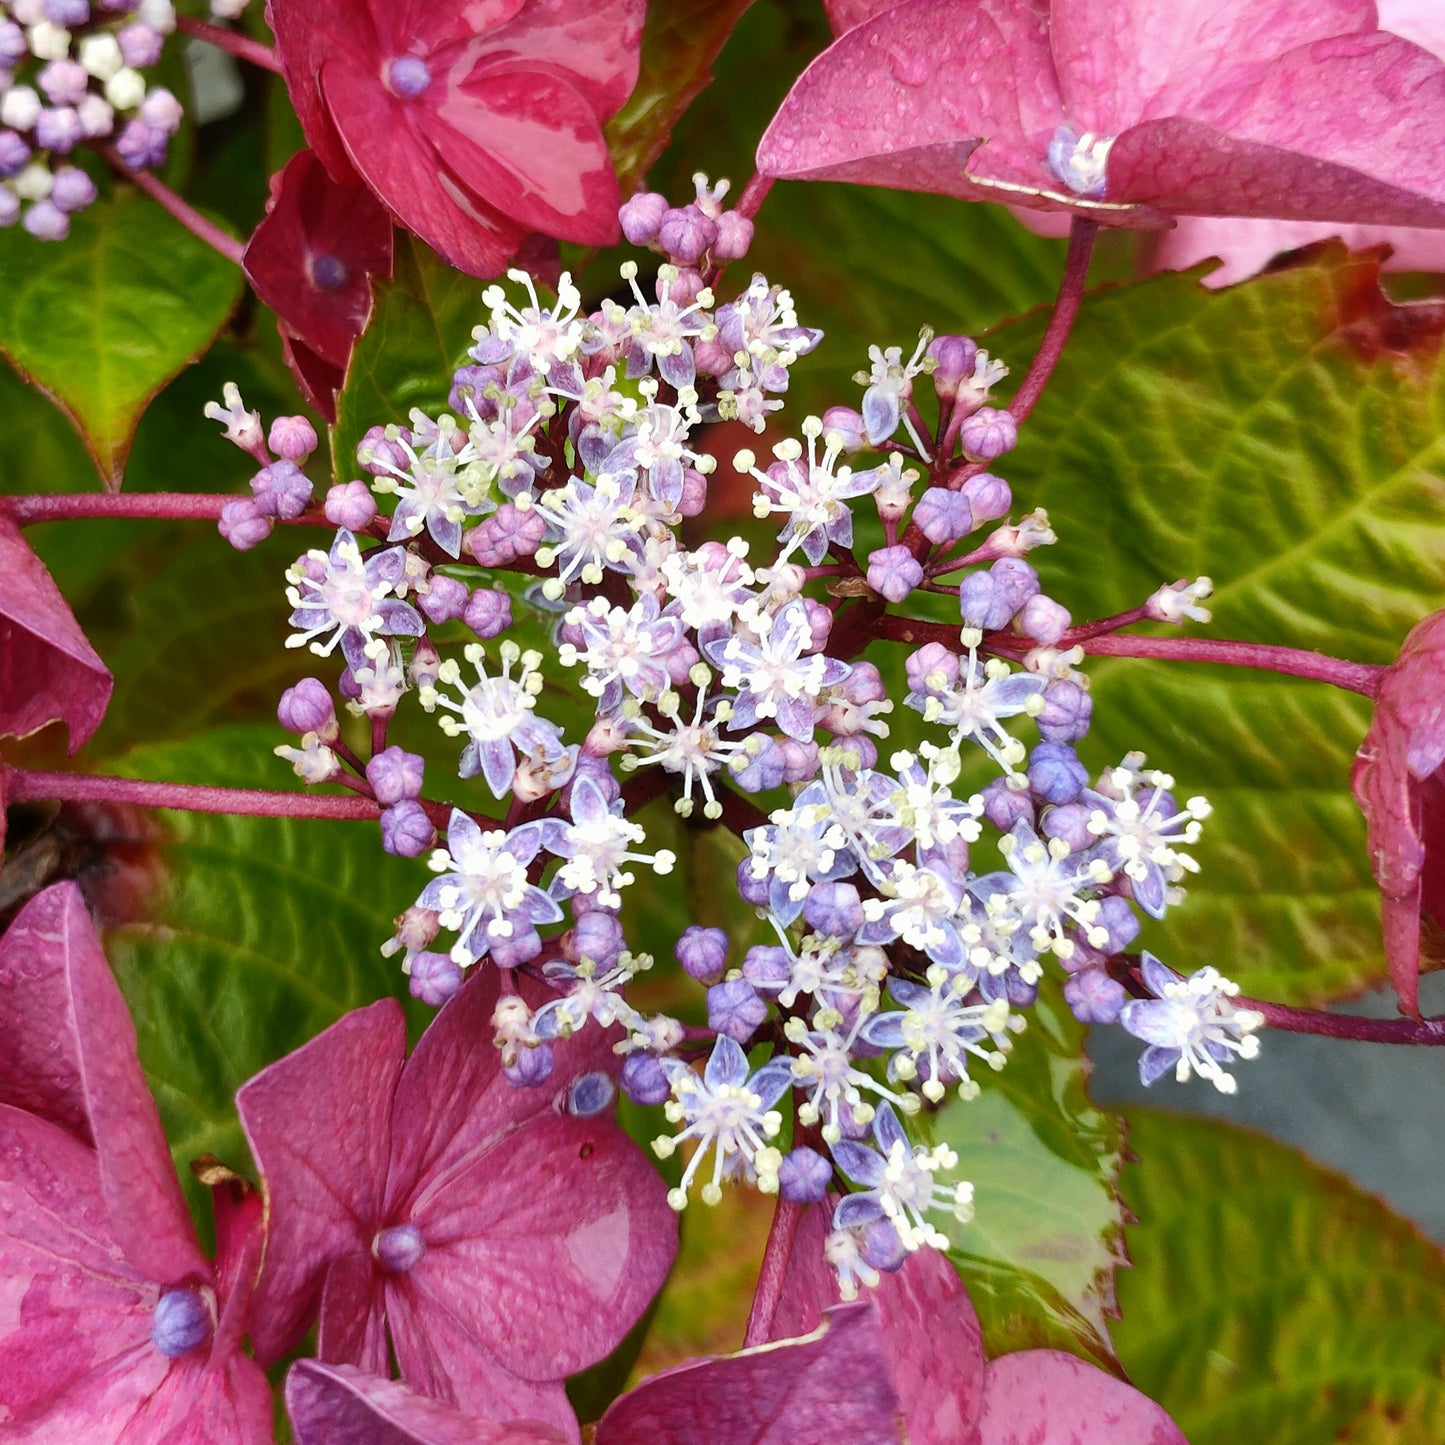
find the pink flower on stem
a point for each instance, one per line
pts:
(1399, 783)
(1127, 111)
(499, 1243)
(114, 1328)
(474, 121)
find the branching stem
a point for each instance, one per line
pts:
(207, 231)
(231, 41)
(1066, 308)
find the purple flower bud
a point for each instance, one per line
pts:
(943, 516)
(162, 110)
(507, 534)
(446, 599)
(1004, 806)
(141, 146)
(734, 236)
(1066, 714)
(596, 939)
(488, 612)
(932, 660)
(292, 438)
(846, 424)
(281, 490)
(685, 234)
(435, 977)
(421, 671)
(243, 525)
(377, 454)
(767, 966)
(14, 154)
(140, 45)
(395, 774)
(72, 190)
(59, 130)
(1016, 582)
(765, 767)
(1010, 986)
(67, 12)
(13, 45)
(683, 289)
(703, 952)
(398, 1249)
(307, 708)
(988, 433)
(589, 1094)
(988, 496)
(350, 505)
(1070, 822)
(735, 1009)
(408, 76)
(955, 357)
(641, 217)
(65, 82)
(644, 1080)
(47, 222)
(531, 1068)
(753, 891)
(800, 760)
(182, 1321)
(804, 1176)
(882, 1247)
(694, 493)
(1044, 620)
(1055, 773)
(1094, 997)
(980, 603)
(893, 572)
(9, 207)
(834, 909)
(406, 830)
(1118, 918)
(347, 685)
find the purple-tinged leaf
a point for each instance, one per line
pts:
(48, 670)
(338, 1405)
(827, 1387)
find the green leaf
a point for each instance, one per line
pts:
(420, 328)
(1271, 1299)
(680, 41)
(1047, 1235)
(264, 932)
(1256, 435)
(104, 319)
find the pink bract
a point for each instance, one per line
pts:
(48, 669)
(1400, 786)
(497, 1242)
(95, 1241)
(1297, 109)
(474, 121)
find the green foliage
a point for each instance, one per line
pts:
(103, 320)
(1040, 1254)
(1271, 1299)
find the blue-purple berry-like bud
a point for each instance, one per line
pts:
(13, 45)
(67, 12)
(641, 217)
(989, 497)
(377, 454)
(1016, 582)
(1004, 806)
(765, 768)
(988, 434)
(685, 234)
(597, 938)
(141, 146)
(847, 425)
(408, 76)
(1011, 986)
(767, 966)
(58, 129)
(398, 1249)
(735, 1009)
(140, 45)
(446, 599)
(182, 1321)
(162, 110)
(753, 891)
(507, 534)
(14, 154)
(242, 523)
(435, 977)
(521, 946)
(47, 222)
(531, 1068)
(703, 952)
(72, 190)
(644, 1081)
(882, 1247)
(800, 760)
(65, 82)
(734, 237)
(804, 1176)
(395, 774)
(1067, 711)
(834, 909)
(954, 358)
(1044, 620)
(893, 572)
(981, 604)
(406, 830)
(281, 490)
(589, 1094)
(307, 708)
(1119, 920)
(292, 437)
(683, 289)
(1055, 773)
(932, 660)
(1094, 997)
(1070, 822)
(943, 516)
(488, 612)
(350, 505)
(9, 207)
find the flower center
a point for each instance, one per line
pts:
(407, 76)
(328, 273)
(1079, 161)
(183, 1319)
(398, 1248)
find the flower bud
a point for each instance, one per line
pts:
(292, 437)
(406, 830)
(531, 1068)
(685, 234)
(1094, 997)
(735, 1009)
(643, 1080)
(954, 357)
(1067, 711)
(1055, 773)
(641, 217)
(73, 190)
(987, 434)
(893, 572)
(446, 599)
(488, 612)
(988, 496)
(281, 490)
(350, 505)
(242, 523)
(846, 424)
(804, 1176)
(395, 774)
(1043, 619)
(589, 1094)
(943, 516)
(307, 708)
(702, 952)
(734, 237)
(183, 1321)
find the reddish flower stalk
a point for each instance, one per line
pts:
(1071, 291)
(773, 1271)
(144, 506)
(207, 231)
(1348, 1026)
(231, 41)
(754, 194)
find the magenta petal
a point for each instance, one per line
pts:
(306, 34)
(820, 1390)
(932, 1343)
(1039, 1396)
(337, 1405)
(353, 1314)
(845, 14)
(319, 1126)
(196, 1405)
(48, 670)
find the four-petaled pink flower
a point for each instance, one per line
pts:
(114, 1328)
(474, 121)
(498, 1241)
(1128, 111)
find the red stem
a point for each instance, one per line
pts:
(231, 41)
(217, 239)
(1066, 308)
(754, 194)
(781, 1237)
(147, 506)
(1348, 1026)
